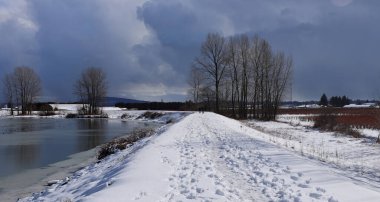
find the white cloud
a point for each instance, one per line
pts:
(341, 3)
(152, 91)
(17, 11)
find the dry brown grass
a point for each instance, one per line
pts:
(122, 143)
(355, 117)
(329, 122)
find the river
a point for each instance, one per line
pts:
(33, 150)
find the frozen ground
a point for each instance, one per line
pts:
(207, 157)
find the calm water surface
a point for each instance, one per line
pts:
(35, 144)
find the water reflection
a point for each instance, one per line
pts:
(36, 143)
(19, 157)
(92, 133)
(23, 125)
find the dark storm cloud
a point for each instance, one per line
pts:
(334, 43)
(146, 48)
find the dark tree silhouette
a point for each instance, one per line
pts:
(323, 101)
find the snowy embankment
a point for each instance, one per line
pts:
(208, 157)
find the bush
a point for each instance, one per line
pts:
(150, 115)
(125, 116)
(46, 113)
(325, 122)
(122, 143)
(71, 116)
(328, 122)
(347, 130)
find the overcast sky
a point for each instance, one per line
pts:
(146, 47)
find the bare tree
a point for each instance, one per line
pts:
(282, 71)
(245, 74)
(26, 87)
(233, 66)
(91, 88)
(213, 61)
(244, 51)
(8, 90)
(196, 82)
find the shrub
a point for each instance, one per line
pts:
(325, 122)
(329, 122)
(46, 113)
(347, 130)
(125, 116)
(71, 116)
(150, 115)
(122, 143)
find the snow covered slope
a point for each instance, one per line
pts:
(208, 157)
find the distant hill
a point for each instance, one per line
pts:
(111, 101)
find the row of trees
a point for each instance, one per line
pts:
(335, 101)
(240, 76)
(22, 87)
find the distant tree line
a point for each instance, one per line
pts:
(240, 76)
(335, 101)
(338, 101)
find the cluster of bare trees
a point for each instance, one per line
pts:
(240, 76)
(91, 88)
(21, 88)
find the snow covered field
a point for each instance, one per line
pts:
(112, 112)
(208, 157)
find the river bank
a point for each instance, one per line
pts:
(22, 184)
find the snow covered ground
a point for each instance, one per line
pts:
(358, 158)
(208, 157)
(112, 112)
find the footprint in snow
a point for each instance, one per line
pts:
(141, 194)
(315, 195)
(331, 199)
(294, 178)
(297, 199)
(183, 175)
(219, 192)
(303, 186)
(190, 196)
(308, 181)
(319, 189)
(183, 192)
(199, 190)
(272, 170)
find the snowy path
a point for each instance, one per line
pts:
(207, 157)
